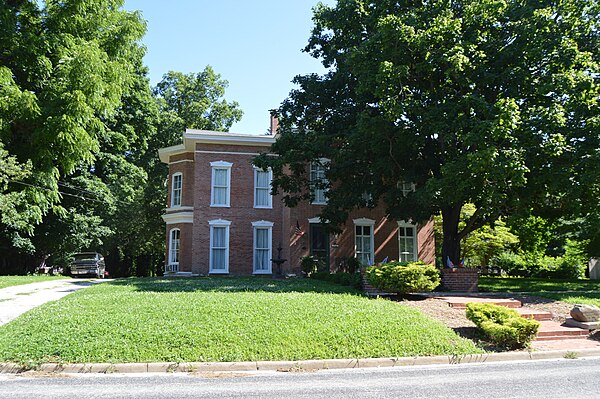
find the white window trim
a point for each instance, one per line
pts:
(220, 165)
(173, 204)
(219, 223)
(370, 223)
(403, 223)
(270, 197)
(173, 266)
(322, 163)
(262, 224)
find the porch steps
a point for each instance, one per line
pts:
(460, 302)
(538, 315)
(551, 330)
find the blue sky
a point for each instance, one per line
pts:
(255, 45)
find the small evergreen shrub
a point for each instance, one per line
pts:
(503, 326)
(404, 277)
(308, 265)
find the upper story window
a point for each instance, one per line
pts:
(407, 242)
(176, 187)
(318, 182)
(221, 184)
(262, 188)
(407, 188)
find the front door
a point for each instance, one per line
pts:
(319, 246)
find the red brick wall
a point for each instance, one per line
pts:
(195, 240)
(241, 212)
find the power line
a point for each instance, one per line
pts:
(62, 192)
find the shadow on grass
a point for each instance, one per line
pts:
(476, 335)
(233, 284)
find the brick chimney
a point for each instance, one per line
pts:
(274, 122)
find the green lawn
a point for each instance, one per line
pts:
(520, 284)
(222, 319)
(9, 281)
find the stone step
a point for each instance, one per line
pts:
(550, 330)
(539, 315)
(459, 302)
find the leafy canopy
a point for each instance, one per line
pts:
(484, 102)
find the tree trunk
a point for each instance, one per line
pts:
(451, 240)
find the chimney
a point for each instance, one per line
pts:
(274, 122)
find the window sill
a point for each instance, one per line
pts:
(219, 206)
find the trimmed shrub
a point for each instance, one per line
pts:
(503, 326)
(404, 277)
(341, 278)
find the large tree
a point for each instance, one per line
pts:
(65, 67)
(486, 102)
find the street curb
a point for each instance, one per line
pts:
(294, 366)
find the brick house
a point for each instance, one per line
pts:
(222, 219)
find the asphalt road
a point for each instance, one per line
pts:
(565, 378)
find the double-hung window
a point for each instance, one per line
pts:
(174, 247)
(262, 188)
(219, 246)
(407, 241)
(221, 184)
(364, 241)
(176, 187)
(262, 248)
(318, 182)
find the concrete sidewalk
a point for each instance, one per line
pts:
(16, 300)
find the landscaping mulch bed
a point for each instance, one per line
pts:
(456, 319)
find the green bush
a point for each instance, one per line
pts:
(512, 264)
(503, 326)
(403, 277)
(308, 265)
(341, 278)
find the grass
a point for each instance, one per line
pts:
(9, 281)
(222, 319)
(539, 285)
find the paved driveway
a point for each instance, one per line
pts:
(16, 300)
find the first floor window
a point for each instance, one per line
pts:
(174, 246)
(407, 242)
(219, 246)
(364, 241)
(262, 247)
(364, 250)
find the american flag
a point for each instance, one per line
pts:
(298, 230)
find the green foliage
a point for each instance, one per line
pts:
(222, 319)
(404, 277)
(537, 285)
(570, 266)
(480, 246)
(342, 278)
(488, 103)
(502, 325)
(309, 264)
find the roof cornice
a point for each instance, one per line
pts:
(193, 136)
